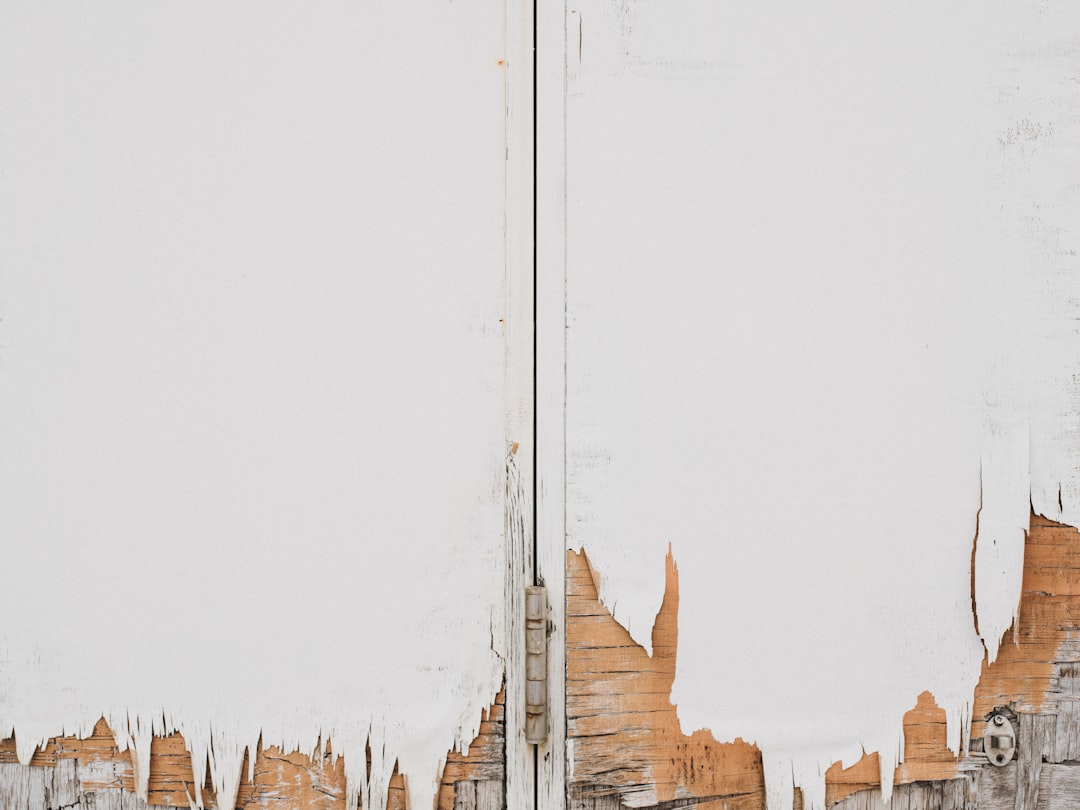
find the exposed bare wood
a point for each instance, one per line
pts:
(1024, 673)
(1059, 787)
(465, 796)
(397, 797)
(628, 750)
(1036, 674)
(1035, 742)
(486, 759)
(490, 794)
(94, 773)
(946, 794)
(627, 744)
(926, 755)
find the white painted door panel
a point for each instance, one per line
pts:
(820, 329)
(254, 393)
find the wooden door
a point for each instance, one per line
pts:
(809, 279)
(805, 452)
(266, 391)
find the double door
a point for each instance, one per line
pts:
(747, 332)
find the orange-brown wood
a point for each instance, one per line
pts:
(98, 755)
(1049, 619)
(486, 759)
(623, 728)
(397, 795)
(926, 755)
(626, 737)
(621, 723)
(282, 781)
(1021, 677)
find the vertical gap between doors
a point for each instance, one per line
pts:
(535, 387)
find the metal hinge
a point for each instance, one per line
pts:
(536, 688)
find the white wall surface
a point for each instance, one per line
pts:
(822, 308)
(251, 377)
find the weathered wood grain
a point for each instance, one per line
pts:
(1059, 788)
(93, 773)
(945, 794)
(1036, 674)
(628, 750)
(627, 746)
(996, 787)
(486, 760)
(926, 756)
(1026, 674)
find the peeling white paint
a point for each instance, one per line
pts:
(1002, 529)
(252, 406)
(822, 292)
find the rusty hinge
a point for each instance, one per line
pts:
(536, 691)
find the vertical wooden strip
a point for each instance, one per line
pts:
(551, 328)
(519, 766)
(997, 788)
(1066, 705)
(490, 795)
(1028, 763)
(92, 773)
(64, 784)
(1035, 744)
(465, 795)
(1059, 788)
(520, 379)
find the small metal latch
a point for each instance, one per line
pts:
(536, 697)
(999, 740)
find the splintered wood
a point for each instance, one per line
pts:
(627, 749)
(93, 774)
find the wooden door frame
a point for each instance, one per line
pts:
(519, 323)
